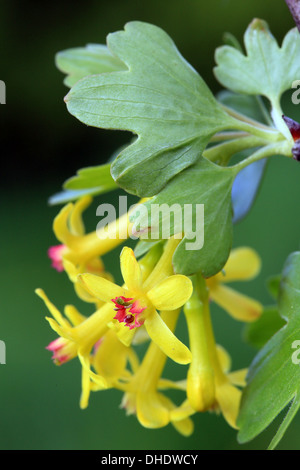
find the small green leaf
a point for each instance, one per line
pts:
(88, 181)
(260, 331)
(274, 377)
(266, 69)
(92, 177)
(80, 62)
(160, 97)
(203, 183)
(143, 246)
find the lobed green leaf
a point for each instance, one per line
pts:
(203, 183)
(274, 377)
(266, 69)
(160, 97)
(80, 62)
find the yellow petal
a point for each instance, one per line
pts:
(130, 269)
(238, 377)
(228, 398)
(150, 411)
(74, 315)
(83, 294)
(76, 224)
(184, 426)
(171, 293)
(111, 357)
(52, 309)
(164, 384)
(182, 412)
(101, 288)
(224, 359)
(239, 306)
(58, 329)
(124, 334)
(166, 340)
(243, 264)
(60, 225)
(70, 269)
(84, 359)
(85, 389)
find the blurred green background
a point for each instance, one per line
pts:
(42, 145)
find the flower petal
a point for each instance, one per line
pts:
(76, 224)
(53, 310)
(111, 357)
(60, 225)
(239, 306)
(171, 293)
(184, 426)
(243, 264)
(85, 388)
(182, 412)
(98, 379)
(150, 411)
(224, 358)
(238, 377)
(74, 315)
(228, 398)
(100, 287)
(130, 269)
(124, 334)
(166, 340)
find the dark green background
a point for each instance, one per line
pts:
(42, 145)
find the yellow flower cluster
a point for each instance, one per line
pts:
(146, 308)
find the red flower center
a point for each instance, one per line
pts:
(128, 311)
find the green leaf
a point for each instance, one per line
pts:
(143, 246)
(260, 331)
(203, 183)
(91, 177)
(88, 181)
(274, 376)
(80, 62)
(267, 69)
(161, 98)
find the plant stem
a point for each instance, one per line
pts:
(221, 153)
(282, 148)
(220, 136)
(243, 118)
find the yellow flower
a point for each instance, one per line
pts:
(152, 408)
(137, 302)
(80, 247)
(80, 252)
(109, 359)
(227, 394)
(77, 334)
(243, 264)
(209, 386)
